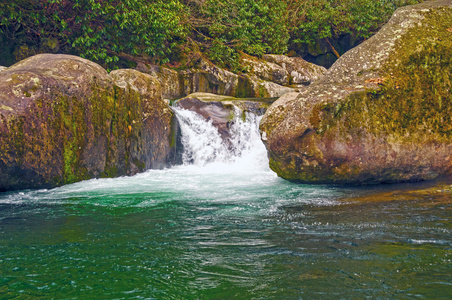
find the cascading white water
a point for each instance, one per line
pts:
(203, 144)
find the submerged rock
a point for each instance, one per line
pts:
(382, 112)
(64, 119)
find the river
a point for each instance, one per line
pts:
(224, 226)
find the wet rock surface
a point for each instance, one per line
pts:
(64, 119)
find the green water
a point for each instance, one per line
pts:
(197, 233)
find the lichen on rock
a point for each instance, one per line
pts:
(274, 76)
(382, 112)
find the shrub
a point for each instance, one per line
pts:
(101, 31)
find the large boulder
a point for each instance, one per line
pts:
(382, 113)
(65, 119)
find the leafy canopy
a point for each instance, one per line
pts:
(114, 32)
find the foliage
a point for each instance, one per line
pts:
(98, 30)
(255, 27)
(313, 20)
(159, 31)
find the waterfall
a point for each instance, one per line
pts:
(203, 144)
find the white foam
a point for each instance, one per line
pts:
(204, 147)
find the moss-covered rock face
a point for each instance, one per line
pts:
(382, 113)
(274, 76)
(64, 119)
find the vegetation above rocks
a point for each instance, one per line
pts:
(120, 33)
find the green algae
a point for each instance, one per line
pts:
(415, 98)
(72, 112)
(244, 87)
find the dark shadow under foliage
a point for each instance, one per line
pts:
(121, 33)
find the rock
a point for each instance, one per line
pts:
(214, 111)
(380, 114)
(212, 79)
(299, 71)
(271, 89)
(254, 105)
(267, 70)
(2, 68)
(208, 78)
(155, 127)
(64, 119)
(169, 79)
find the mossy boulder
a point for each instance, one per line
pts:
(382, 112)
(64, 119)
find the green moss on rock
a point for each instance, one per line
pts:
(415, 100)
(81, 123)
(381, 114)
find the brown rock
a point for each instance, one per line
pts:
(220, 115)
(299, 71)
(380, 114)
(64, 119)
